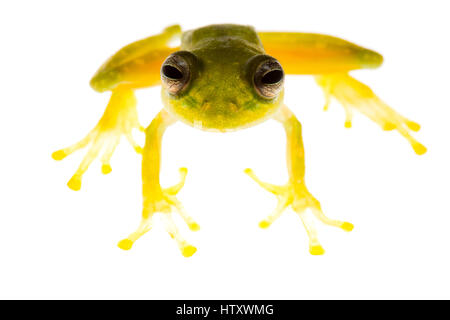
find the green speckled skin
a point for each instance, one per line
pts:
(221, 95)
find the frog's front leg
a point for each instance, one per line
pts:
(119, 118)
(295, 193)
(155, 198)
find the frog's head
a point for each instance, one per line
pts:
(222, 87)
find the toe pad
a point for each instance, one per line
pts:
(74, 183)
(264, 224)
(316, 250)
(125, 244)
(347, 226)
(188, 251)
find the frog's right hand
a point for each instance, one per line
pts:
(119, 119)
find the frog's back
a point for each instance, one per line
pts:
(221, 35)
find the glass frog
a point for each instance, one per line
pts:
(222, 78)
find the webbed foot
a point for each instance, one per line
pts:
(164, 205)
(354, 95)
(300, 199)
(119, 118)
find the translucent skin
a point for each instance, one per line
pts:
(221, 96)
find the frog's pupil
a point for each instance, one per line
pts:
(172, 72)
(272, 77)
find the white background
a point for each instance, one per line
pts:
(56, 243)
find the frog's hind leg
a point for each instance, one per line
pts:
(119, 118)
(157, 199)
(354, 95)
(330, 59)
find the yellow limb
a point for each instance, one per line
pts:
(311, 53)
(134, 66)
(155, 198)
(119, 118)
(330, 59)
(295, 193)
(354, 95)
(138, 64)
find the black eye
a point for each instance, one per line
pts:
(172, 72)
(269, 78)
(176, 71)
(272, 77)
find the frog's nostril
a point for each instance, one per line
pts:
(233, 107)
(206, 106)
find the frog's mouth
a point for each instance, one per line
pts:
(228, 116)
(219, 112)
(230, 107)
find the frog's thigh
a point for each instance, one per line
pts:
(138, 64)
(310, 53)
(330, 59)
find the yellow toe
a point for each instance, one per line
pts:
(59, 155)
(347, 226)
(264, 224)
(388, 126)
(316, 250)
(188, 251)
(74, 183)
(106, 168)
(194, 226)
(183, 170)
(419, 148)
(125, 244)
(413, 125)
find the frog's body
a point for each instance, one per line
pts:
(222, 78)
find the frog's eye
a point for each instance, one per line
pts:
(268, 78)
(176, 71)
